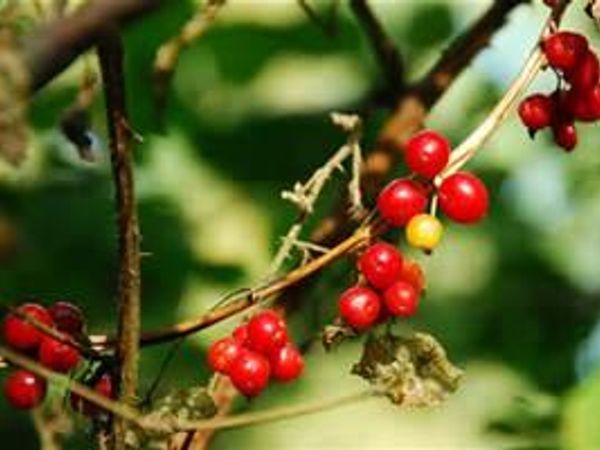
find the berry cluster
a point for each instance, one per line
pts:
(256, 352)
(23, 389)
(462, 196)
(577, 97)
(394, 288)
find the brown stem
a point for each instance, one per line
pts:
(389, 58)
(251, 297)
(110, 52)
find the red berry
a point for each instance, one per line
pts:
(550, 3)
(222, 353)
(565, 135)
(413, 274)
(401, 299)
(22, 335)
(240, 334)
(286, 363)
(427, 153)
(381, 264)
(67, 317)
(24, 390)
(583, 106)
(463, 198)
(250, 373)
(359, 307)
(57, 356)
(586, 74)
(564, 49)
(104, 386)
(266, 332)
(536, 111)
(400, 200)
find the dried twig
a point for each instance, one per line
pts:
(305, 195)
(168, 54)
(110, 52)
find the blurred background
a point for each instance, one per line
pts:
(514, 300)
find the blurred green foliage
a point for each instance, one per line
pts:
(515, 300)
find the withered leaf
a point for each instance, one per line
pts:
(411, 370)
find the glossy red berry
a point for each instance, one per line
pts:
(22, 335)
(565, 135)
(564, 50)
(359, 307)
(222, 353)
(67, 317)
(24, 390)
(381, 264)
(57, 356)
(240, 334)
(536, 111)
(250, 373)
(400, 201)
(427, 153)
(583, 106)
(401, 299)
(287, 363)
(103, 386)
(463, 198)
(586, 74)
(266, 332)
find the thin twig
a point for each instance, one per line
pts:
(110, 52)
(275, 414)
(328, 25)
(168, 54)
(177, 425)
(253, 297)
(390, 61)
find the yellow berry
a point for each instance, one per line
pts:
(424, 231)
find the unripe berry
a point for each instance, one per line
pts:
(250, 373)
(536, 112)
(586, 74)
(24, 390)
(401, 299)
(287, 363)
(359, 307)
(400, 200)
(266, 332)
(565, 135)
(463, 198)
(381, 264)
(427, 153)
(67, 317)
(564, 50)
(20, 334)
(424, 231)
(104, 386)
(222, 353)
(57, 356)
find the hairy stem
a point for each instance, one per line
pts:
(110, 51)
